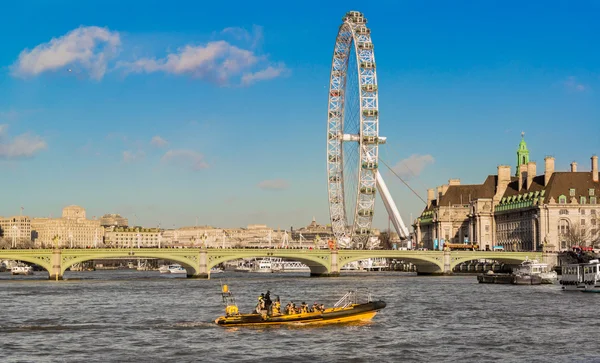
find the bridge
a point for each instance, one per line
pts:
(199, 261)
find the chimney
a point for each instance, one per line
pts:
(549, 169)
(595, 168)
(439, 193)
(503, 180)
(430, 196)
(531, 173)
(454, 182)
(522, 175)
(573, 167)
(444, 188)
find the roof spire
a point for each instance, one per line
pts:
(522, 153)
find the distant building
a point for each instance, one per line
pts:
(526, 212)
(312, 232)
(72, 230)
(133, 237)
(113, 220)
(16, 228)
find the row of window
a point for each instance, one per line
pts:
(591, 192)
(582, 200)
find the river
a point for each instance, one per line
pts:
(131, 316)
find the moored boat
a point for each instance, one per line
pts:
(347, 309)
(584, 277)
(21, 269)
(532, 271)
(176, 269)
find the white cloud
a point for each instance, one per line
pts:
(265, 74)
(573, 85)
(88, 48)
(132, 156)
(412, 166)
(158, 141)
(189, 158)
(253, 38)
(217, 62)
(21, 146)
(274, 184)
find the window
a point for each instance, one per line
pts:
(582, 211)
(592, 200)
(593, 212)
(562, 200)
(563, 226)
(593, 222)
(582, 200)
(563, 211)
(591, 191)
(583, 222)
(572, 192)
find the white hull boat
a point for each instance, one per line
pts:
(21, 269)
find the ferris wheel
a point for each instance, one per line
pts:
(353, 137)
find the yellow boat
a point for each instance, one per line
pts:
(347, 309)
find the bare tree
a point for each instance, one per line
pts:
(385, 239)
(577, 235)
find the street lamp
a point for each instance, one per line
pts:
(14, 234)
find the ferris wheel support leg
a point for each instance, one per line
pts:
(390, 206)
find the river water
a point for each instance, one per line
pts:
(131, 316)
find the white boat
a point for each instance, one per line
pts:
(373, 264)
(535, 268)
(351, 266)
(21, 269)
(176, 269)
(164, 269)
(583, 277)
(263, 266)
(591, 276)
(294, 266)
(215, 270)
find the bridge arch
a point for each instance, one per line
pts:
(427, 262)
(319, 264)
(41, 258)
(513, 258)
(189, 259)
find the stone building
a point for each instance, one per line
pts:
(16, 228)
(133, 237)
(71, 230)
(525, 212)
(113, 220)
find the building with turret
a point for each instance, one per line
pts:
(552, 210)
(73, 229)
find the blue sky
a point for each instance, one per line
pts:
(216, 112)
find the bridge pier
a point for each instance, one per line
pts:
(198, 276)
(55, 271)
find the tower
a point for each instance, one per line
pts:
(522, 153)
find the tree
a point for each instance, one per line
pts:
(1, 232)
(577, 235)
(385, 239)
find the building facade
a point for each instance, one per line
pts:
(526, 212)
(122, 237)
(16, 229)
(72, 230)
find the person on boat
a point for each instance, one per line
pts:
(261, 303)
(315, 307)
(268, 302)
(304, 308)
(277, 306)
